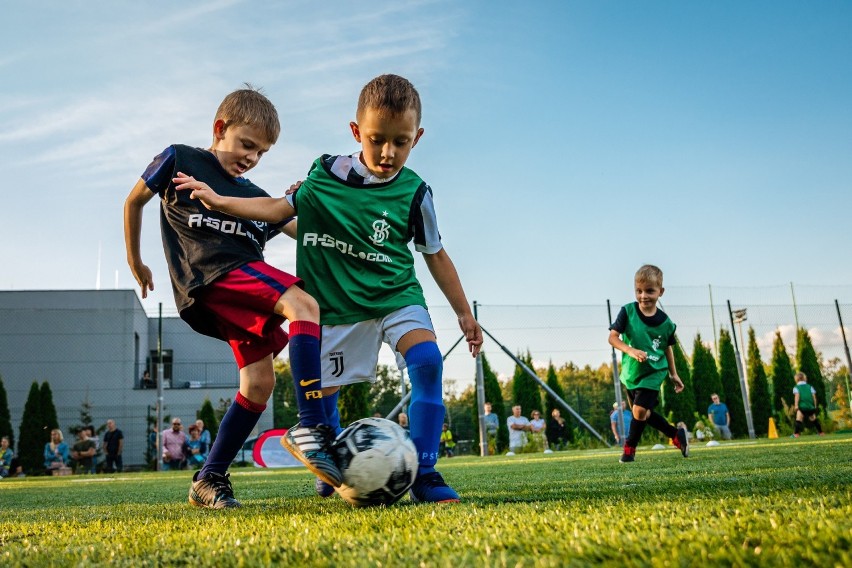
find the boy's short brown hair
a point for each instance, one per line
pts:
(389, 93)
(250, 107)
(649, 274)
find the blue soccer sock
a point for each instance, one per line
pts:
(236, 425)
(426, 411)
(332, 413)
(307, 371)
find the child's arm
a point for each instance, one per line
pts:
(616, 341)
(139, 196)
(444, 272)
(678, 384)
(269, 209)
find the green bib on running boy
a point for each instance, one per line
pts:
(651, 335)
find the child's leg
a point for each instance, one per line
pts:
(658, 422)
(637, 426)
(426, 410)
(815, 422)
(330, 395)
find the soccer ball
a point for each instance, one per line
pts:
(378, 461)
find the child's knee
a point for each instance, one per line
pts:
(297, 305)
(328, 391)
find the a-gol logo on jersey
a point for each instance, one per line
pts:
(223, 225)
(314, 239)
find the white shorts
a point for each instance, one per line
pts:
(350, 352)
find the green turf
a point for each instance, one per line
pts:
(780, 502)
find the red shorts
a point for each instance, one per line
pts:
(243, 304)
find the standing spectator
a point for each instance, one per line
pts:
(174, 440)
(537, 431)
(446, 443)
(8, 462)
(806, 405)
(492, 425)
(56, 454)
(518, 428)
(146, 382)
(402, 419)
(719, 417)
(620, 437)
(195, 450)
(114, 444)
(203, 435)
(83, 451)
(557, 430)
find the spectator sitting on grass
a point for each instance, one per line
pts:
(56, 454)
(9, 465)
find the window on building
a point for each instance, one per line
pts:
(153, 360)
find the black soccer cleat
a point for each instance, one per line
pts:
(311, 445)
(322, 488)
(682, 442)
(629, 454)
(214, 491)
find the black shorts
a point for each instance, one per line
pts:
(808, 413)
(646, 398)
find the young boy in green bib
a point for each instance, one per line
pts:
(645, 335)
(357, 215)
(805, 403)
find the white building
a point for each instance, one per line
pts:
(94, 345)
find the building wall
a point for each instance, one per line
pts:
(93, 345)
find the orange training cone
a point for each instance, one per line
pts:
(773, 432)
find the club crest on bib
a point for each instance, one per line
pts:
(656, 344)
(381, 232)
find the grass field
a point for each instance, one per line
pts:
(780, 502)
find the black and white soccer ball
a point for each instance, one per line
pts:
(378, 461)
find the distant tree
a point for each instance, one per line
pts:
(730, 377)
(681, 406)
(782, 373)
(809, 364)
(32, 439)
(208, 415)
(843, 415)
(386, 392)
(758, 388)
(285, 413)
(705, 376)
(48, 411)
(85, 413)
(5, 417)
(354, 403)
(525, 389)
(494, 395)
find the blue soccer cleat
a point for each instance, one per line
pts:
(431, 488)
(323, 489)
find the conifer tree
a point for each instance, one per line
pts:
(705, 376)
(208, 415)
(758, 388)
(5, 416)
(681, 406)
(285, 412)
(782, 376)
(354, 402)
(732, 395)
(31, 444)
(525, 389)
(48, 412)
(808, 361)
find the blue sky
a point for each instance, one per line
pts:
(566, 142)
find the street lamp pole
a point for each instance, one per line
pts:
(739, 316)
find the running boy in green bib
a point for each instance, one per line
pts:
(645, 335)
(805, 403)
(357, 215)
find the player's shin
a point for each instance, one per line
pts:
(426, 411)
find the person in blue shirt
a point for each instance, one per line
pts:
(720, 417)
(56, 452)
(620, 437)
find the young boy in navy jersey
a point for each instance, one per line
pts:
(645, 334)
(356, 216)
(224, 289)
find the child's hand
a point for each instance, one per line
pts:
(472, 333)
(640, 356)
(143, 277)
(200, 190)
(678, 384)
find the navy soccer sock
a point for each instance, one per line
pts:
(332, 414)
(236, 425)
(636, 429)
(426, 411)
(306, 368)
(661, 424)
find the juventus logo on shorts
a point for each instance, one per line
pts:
(337, 359)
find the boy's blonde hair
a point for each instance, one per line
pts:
(250, 107)
(391, 94)
(800, 376)
(649, 274)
